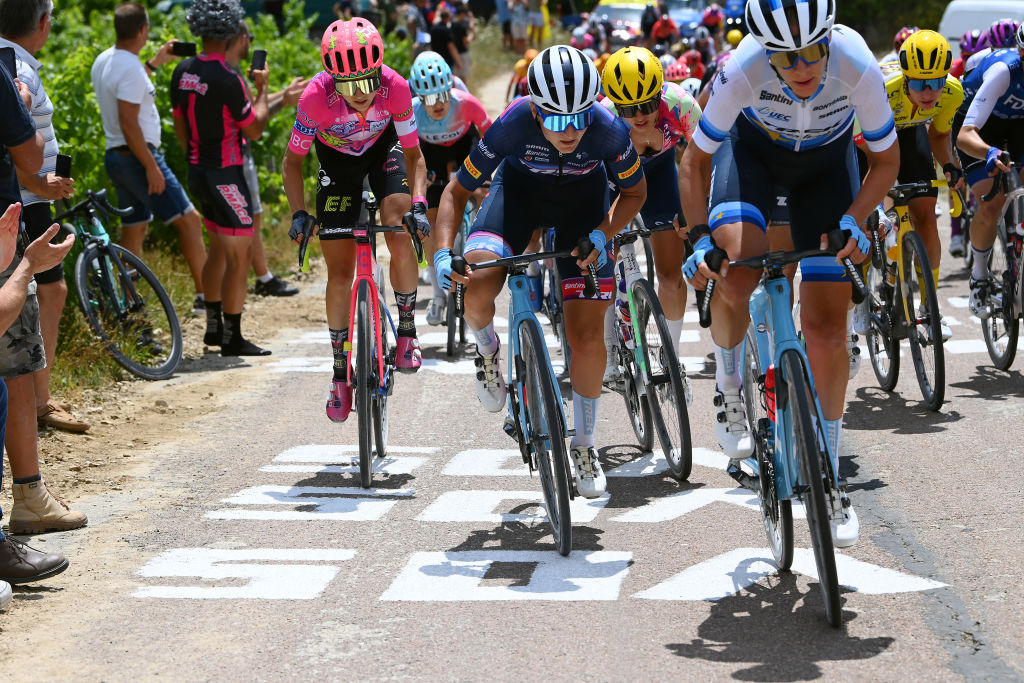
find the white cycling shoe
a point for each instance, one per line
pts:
(731, 428)
(490, 385)
(845, 527)
(436, 310)
(590, 479)
(853, 351)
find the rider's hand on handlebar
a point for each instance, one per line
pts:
(598, 256)
(857, 247)
(299, 221)
(993, 162)
(419, 215)
(696, 270)
(444, 272)
(954, 176)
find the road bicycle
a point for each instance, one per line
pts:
(123, 301)
(372, 331)
(536, 414)
(902, 300)
(1002, 328)
(551, 298)
(791, 456)
(454, 322)
(653, 383)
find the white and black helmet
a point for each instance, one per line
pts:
(787, 25)
(563, 80)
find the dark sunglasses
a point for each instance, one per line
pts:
(651, 106)
(365, 85)
(812, 54)
(922, 84)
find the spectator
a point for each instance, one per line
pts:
(25, 27)
(343, 9)
(442, 41)
(647, 20)
(664, 31)
(520, 19)
(536, 19)
(143, 180)
(211, 110)
(505, 19)
(35, 509)
(419, 28)
(464, 33)
(238, 51)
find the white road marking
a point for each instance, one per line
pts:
(958, 301)
(339, 453)
(321, 365)
(291, 580)
(693, 364)
(965, 346)
(731, 572)
(386, 465)
(487, 462)
(654, 463)
(678, 504)
(479, 506)
(441, 339)
(328, 503)
(465, 366)
(457, 576)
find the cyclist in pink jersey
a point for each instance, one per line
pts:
(358, 115)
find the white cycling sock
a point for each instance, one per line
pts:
(833, 430)
(266, 277)
(486, 340)
(584, 418)
(675, 330)
(980, 271)
(728, 365)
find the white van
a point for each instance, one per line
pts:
(962, 16)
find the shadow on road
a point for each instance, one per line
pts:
(531, 535)
(211, 360)
(874, 409)
(993, 385)
(779, 631)
(635, 492)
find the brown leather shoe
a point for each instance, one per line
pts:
(21, 564)
(53, 415)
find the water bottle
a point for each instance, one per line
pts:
(769, 392)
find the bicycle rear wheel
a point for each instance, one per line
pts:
(883, 346)
(777, 515)
(546, 432)
(451, 322)
(804, 440)
(926, 335)
(364, 380)
(1002, 328)
(129, 311)
(637, 405)
(666, 393)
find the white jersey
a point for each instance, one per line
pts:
(852, 86)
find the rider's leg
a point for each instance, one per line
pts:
(667, 248)
(983, 226)
(583, 322)
(922, 215)
(479, 302)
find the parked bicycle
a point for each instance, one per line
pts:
(652, 380)
(123, 301)
(371, 330)
(536, 411)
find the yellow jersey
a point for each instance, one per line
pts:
(906, 114)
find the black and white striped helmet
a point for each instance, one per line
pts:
(563, 80)
(787, 25)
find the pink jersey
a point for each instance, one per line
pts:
(323, 113)
(677, 119)
(465, 112)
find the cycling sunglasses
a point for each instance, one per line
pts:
(559, 123)
(351, 86)
(812, 54)
(651, 106)
(434, 98)
(922, 84)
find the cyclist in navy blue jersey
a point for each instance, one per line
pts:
(548, 154)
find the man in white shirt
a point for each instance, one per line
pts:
(131, 124)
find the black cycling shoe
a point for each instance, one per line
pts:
(243, 347)
(275, 286)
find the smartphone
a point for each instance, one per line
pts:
(180, 49)
(7, 59)
(63, 169)
(259, 61)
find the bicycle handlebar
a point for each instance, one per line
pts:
(999, 182)
(96, 199)
(837, 239)
(408, 225)
(902, 194)
(628, 236)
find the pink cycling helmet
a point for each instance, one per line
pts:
(712, 16)
(677, 72)
(1001, 34)
(350, 49)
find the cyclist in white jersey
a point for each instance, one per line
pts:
(780, 115)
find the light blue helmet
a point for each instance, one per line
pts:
(430, 75)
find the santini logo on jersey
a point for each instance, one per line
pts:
(773, 97)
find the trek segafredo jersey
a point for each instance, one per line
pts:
(852, 86)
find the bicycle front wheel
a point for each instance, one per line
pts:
(129, 310)
(364, 380)
(883, 345)
(546, 432)
(926, 331)
(803, 438)
(1001, 329)
(666, 392)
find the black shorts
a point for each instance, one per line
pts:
(506, 27)
(916, 162)
(37, 218)
(222, 195)
(437, 158)
(1006, 134)
(339, 196)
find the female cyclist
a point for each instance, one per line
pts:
(357, 112)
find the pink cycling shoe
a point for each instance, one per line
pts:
(409, 356)
(339, 401)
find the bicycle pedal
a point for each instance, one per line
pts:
(511, 428)
(743, 479)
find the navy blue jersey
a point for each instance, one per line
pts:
(516, 139)
(995, 87)
(18, 128)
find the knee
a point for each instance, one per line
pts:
(824, 331)
(670, 278)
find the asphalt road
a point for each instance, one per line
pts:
(244, 548)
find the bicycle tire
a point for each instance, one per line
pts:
(364, 376)
(379, 400)
(545, 432)
(926, 337)
(776, 515)
(666, 393)
(450, 321)
(965, 229)
(559, 324)
(883, 346)
(637, 405)
(144, 339)
(804, 439)
(1002, 328)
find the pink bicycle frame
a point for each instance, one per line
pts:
(364, 272)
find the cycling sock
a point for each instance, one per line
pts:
(214, 324)
(406, 313)
(28, 480)
(266, 277)
(727, 366)
(954, 227)
(338, 339)
(232, 328)
(609, 334)
(584, 417)
(675, 330)
(486, 340)
(833, 429)
(980, 269)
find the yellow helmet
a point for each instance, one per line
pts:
(925, 54)
(734, 37)
(520, 68)
(632, 75)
